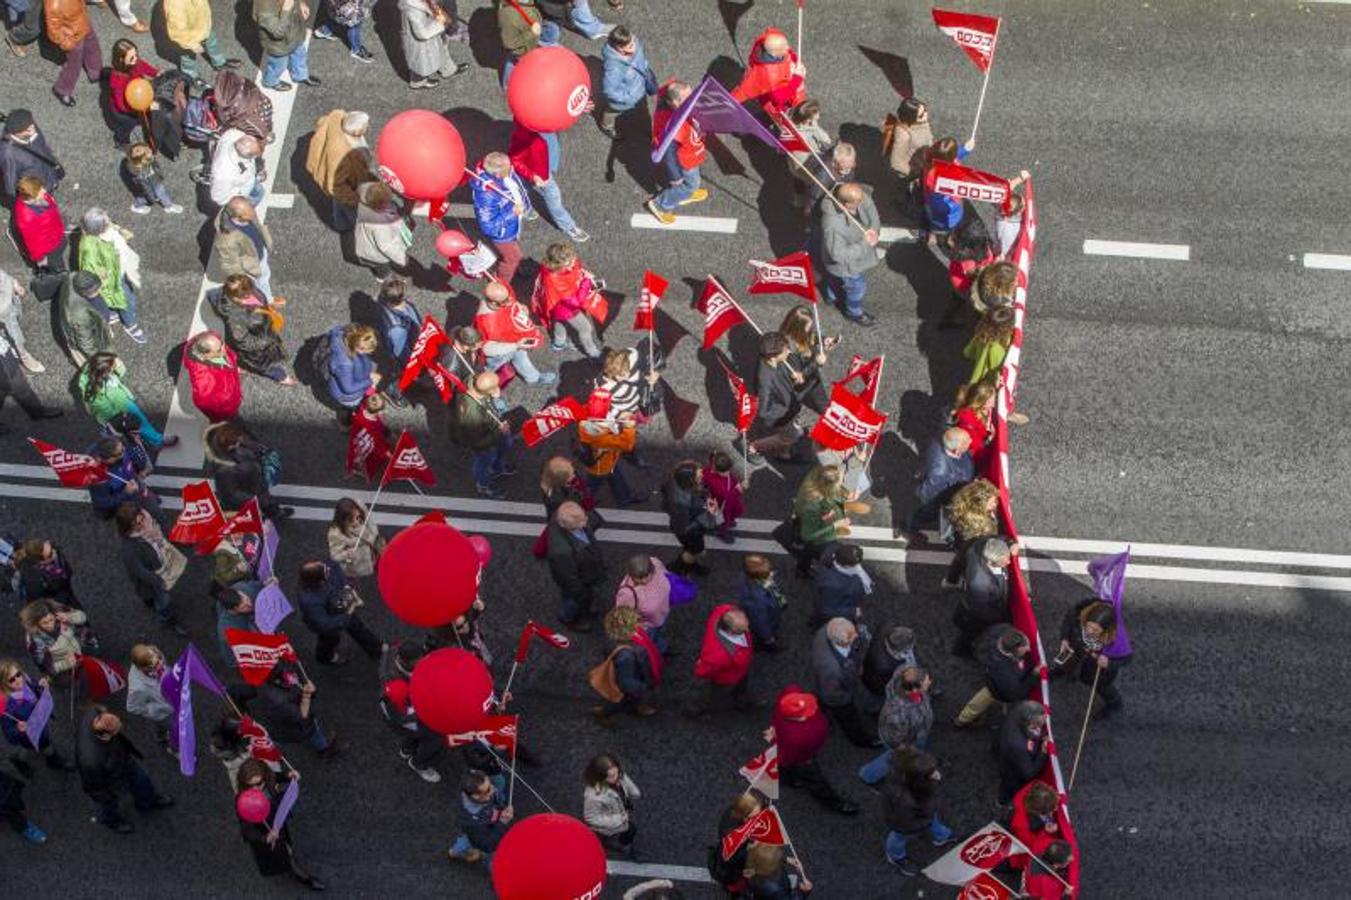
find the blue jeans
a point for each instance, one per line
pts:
(658, 635)
(874, 771)
(895, 841)
(584, 20)
(492, 461)
(549, 33)
(352, 33)
(297, 62)
(159, 193)
(127, 315)
(520, 361)
(619, 485)
(143, 794)
(316, 738)
(552, 198)
(851, 289)
(679, 190)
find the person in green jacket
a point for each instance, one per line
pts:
(83, 327)
(476, 427)
(820, 507)
(106, 396)
(104, 251)
(990, 344)
(281, 32)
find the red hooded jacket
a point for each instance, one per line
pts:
(717, 662)
(39, 226)
(770, 82)
(216, 390)
(1020, 824)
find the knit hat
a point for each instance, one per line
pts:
(798, 706)
(19, 120)
(900, 640)
(86, 284)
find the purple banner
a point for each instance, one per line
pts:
(176, 688)
(288, 800)
(39, 717)
(1109, 583)
(269, 608)
(717, 113)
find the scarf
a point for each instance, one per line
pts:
(857, 572)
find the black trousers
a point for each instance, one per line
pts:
(14, 383)
(809, 777)
(425, 746)
(706, 695)
(849, 720)
(327, 645)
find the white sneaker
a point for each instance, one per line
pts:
(173, 209)
(140, 209)
(30, 363)
(431, 776)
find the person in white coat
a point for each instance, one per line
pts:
(382, 238)
(426, 43)
(607, 804)
(144, 697)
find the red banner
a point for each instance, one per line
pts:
(249, 520)
(871, 374)
(430, 339)
(763, 772)
(257, 654)
(534, 629)
(75, 470)
(791, 139)
(976, 35)
(101, 679)
(967, 184)
(848, 421)
(763, 827)
(497, 731)
(747, 404)
(791, 274)
(367, 445)
(408, 463)
(721, 312)
(201, 518)
(551, 419)
(654, 288)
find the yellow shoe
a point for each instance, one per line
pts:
(699, 194)
(660, 214)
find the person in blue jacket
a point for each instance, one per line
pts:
(483, 817)
(627, 80)
(351, 369)
(501, 204)
(941, 212)
(400, 321)
(841, 585)
(329, 607)
(761, 599)
(125, 481)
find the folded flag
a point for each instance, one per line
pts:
(37, 720)
(747, 404)
(408, 463)
(870, 373)
(763, 772)
(976, 35)
(654, 288)
(285, 805)
(367, 445)
(979, 853)
(764, 827)
(497, 731)
(257, 654)
(551, 419)
(101, 679)
(201, 519)
(74, 470)
(431, 337)
(964, 183)
(848, 421)
(534, 629)
(261, 745)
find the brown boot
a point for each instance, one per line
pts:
(598, 713)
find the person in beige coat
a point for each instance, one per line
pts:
(354, 545)
(607, 804)
(339, 161)
(243, 244)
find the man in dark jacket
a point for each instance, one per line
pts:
(329, 607)
(761, 599)
(1009, 674)
(84, 330)
(894, 650)
(484, 816)
(841, 585)
(946, 466)
(108, 765)
(1023, 748)
(986, 601)
(125, 482)
(776, 385)
(284, 704)
(576, 564)
(24, 151)
(836, 661)
(476, 426)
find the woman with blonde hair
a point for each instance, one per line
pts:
(970, 516)
(768, 877)
(19, 696)
(635, 673)
(822, 506)
(567, 297)
(973, 412)
(56, 637)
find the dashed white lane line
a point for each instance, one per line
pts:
(897, 236)
(656, 870)
(280, 201)
(1335, 261)
(712, 224)
(1135, 249)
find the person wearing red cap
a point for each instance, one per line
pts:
(724, 665)
(799, 729)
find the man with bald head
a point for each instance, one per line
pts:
(774, 75)
(108, 766)
(576, 563)
(237, 168)
(850, 228)
(508, 334)
(475, 425)
(947, 465)
(501, 206)
(243, 243)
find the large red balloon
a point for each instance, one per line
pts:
(451, 690)
(549, 857)
(549, 89)
(421, 155)
(429, 574)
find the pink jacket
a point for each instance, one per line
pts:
(652, 600)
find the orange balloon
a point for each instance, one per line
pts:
(140, 94)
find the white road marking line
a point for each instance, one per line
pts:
(714, 224)
(656, 870)
(1131, 248)
(280, 201)
(1335, 261)
(895, 235)
(184, 419)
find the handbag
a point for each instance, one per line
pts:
(172, 565)
(788, 535)
(603, 680)
(682, 589)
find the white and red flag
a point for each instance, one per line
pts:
(978, 854)
(967, 184)
(721, 312)
(976, 35)
(763, 772)
(848, 421)
(551, 419)
(791, 139)
(763, 827)
(367, 444)
(261, 745)
(870, 372)
(408, 463)
(257, 654)
(201, 518)
(747, 404)
(101, 679)
(791, 274)
(75, 470)
(497, 731)
(431, 337)
(986, 887)
(248, 520)
(534, 629)
(654, 288)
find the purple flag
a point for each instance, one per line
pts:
(269, 553)
(269, 608)
(1109, 583)
(176, 687)
(717, 113)
(38, 718)
(288, 800)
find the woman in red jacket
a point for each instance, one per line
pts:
(567, 297)
(127, 66)
(214, 372)
(38, 221)
(1033, 821)
(724, 665)
(973, 412)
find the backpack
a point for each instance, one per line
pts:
(200, 123)
(320, 357)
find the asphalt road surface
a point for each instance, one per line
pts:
(1192, 405)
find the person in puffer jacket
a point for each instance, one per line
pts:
(501, 205)
(626, 81)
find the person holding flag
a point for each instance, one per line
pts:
(25, 711)
(285, 703)
(1090, 651)
(799, 730)
(850, 230)
(267, 837)
(501, 208)
(122, 480)
(806, 142)
(808, 352)
(476, 427)
(775, 430)
(509, 334)
(684, 154)
(144, 697)
(152, 563)
(108, 764)
(774, 76)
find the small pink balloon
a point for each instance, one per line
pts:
(451, 243)
(482, 548)
(253, 806)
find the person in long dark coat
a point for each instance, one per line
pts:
(273, 851)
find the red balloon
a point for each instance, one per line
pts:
(549, 857)
(252, 805)
(482, 548)
(451, 243)
(451, 690)
(421, 155)
(429, 574)
(549, 89)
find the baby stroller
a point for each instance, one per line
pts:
(232, 102)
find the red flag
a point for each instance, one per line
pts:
(967, 184)
(763, 772)
(848, 421)
(446, 381)
(981, 852)
(257, 654)
(720, 311)
(985, 887)
(408, 462)
(261, 746)
(764, 827)
(977, 35)
(534, 629)
(201, 518)
(101, 679)
(790, 275)
(367, 444)
(430, 339)
(497, 731)
(249, 520)
(870, 372)
(654, 288)
(76, 470)
(791, 139)
(551, 419)
(747, 404)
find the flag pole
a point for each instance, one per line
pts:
(980, 105)
(800, 4)
(511, 676)
(828, 192)
(789, 838)
(501, 761)
(370, 507)
(867, 463)
(1083, 732)
(511, 785)
(737, 305)
(816, 314)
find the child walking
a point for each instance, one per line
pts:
(723, 485)
(148, 181)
